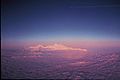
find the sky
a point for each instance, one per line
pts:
(60, 20)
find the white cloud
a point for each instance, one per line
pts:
(54, 47)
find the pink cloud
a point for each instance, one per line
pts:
(54, 47)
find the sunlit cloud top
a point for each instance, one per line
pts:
(54, 47)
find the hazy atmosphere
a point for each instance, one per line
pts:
(60, 39)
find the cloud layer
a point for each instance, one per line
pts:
(54, 47)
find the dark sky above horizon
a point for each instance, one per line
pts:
(42, 20)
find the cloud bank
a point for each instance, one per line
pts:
(54, 47)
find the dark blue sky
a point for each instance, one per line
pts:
(41, 20)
